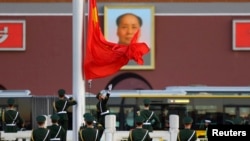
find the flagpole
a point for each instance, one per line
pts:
(78, 81)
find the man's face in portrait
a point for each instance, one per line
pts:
(127, 27)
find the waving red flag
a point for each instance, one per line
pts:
(103, 58)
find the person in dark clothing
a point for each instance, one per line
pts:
(151, 119)
(57, 131)
(101, 106)
(89, 133)
(61, 106)
(84, 125)
(187, 134)
(97, 126)
(139, 134)
(11, 118)
(41, 133)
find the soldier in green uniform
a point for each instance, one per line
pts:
(57, 131)
(139, 134)
(61, 106)
(151, 119)
(84, 123)
(41, 133)
(187, 134)
(101, 106)
(11, 118)
(89, 133)
(97, 126)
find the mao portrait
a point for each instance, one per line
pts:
(122, 22)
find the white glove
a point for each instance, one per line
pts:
(110, 87)
(67, 96)
(102, 92)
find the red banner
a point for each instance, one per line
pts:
(12, 35)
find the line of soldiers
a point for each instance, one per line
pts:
(54, 132)
(145, 120)
(13, 122)
(58, 130)
(92, 132)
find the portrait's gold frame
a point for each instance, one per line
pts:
(113, 11)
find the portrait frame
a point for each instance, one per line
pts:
(12, 35)
(146, 13)
(240, 35)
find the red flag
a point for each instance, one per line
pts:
(103, 58)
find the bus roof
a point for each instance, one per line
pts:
(211, 89)
(14, 93)
(187, 92)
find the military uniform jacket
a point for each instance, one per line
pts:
(40, 134)
(139, 134)
(61, 107)
(96, 126)
(89, 134)
(101, 106)
(187, 135)
(149, 117)
(57, 132)
(10, 119)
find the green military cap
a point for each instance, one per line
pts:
(11, 101)
(139, 119)
(89, 118)
(40, 118)
(187, 120)
(146, 101)
(86, 115)
(54, 117)
(61, 92)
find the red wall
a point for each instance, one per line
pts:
(189, 50)
(46, 65)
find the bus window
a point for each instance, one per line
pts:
(237, 111)
(129, 114)
(244, 112)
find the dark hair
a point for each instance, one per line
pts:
(89, 122)
(54, 120)
(119, 18)
(139, 123)
(11, 105)
(40, 123)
